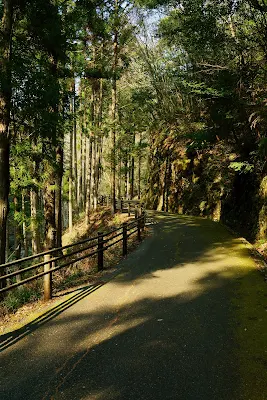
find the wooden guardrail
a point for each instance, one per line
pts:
(58, 258)
(122, 204)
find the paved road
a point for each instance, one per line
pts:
(164, 328)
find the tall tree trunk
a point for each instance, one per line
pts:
(5, 105)
(58, 195)
(168, 183)
(51, 170)
(92, 144)
(114, 109)
(49, 205)
(34, 201)
(75, 166)
(17, 234)
(24, 227)
(139, 177)
(88, 179)
(139, 166)
(70, 182)
(81, 185)
(7, 239)
(34, 225)
(99, 146)
(132, 179)
(119, 180)
(126, 176)
(85, 155)
(95, 168)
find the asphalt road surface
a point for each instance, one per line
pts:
(165, 327)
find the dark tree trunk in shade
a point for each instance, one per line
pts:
(5, 104)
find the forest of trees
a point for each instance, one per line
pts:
(68, 131)
(161, 100)
(208, 146)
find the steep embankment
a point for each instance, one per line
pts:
(209, 182)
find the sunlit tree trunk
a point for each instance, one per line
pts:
(114, 108)
(58, 195)
(70, 181)
(34, 223)
(18, 236)
(126, 176)
(85, 155)
(49, 200)
(24, 227)
(88, 180)
(132, 179)
(74, 148)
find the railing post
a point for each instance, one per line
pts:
(100, 254)
(124, 239)
(143, 220)
(139, 229)
(47, 278)
(47, 267)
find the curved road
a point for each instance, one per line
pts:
(185, 319)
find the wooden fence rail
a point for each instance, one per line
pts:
(58, 258)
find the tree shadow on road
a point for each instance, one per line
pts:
(191, 339)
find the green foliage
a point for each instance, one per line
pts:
(21, 296)
(242, 167)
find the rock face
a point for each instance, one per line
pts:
(209, 183)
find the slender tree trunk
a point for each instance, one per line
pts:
(95, 166)
(5, 105)
(168, 183)
(88, 179)
(139, 177)
(114, 109)
(34, 202)
(132, 179)
(34, 225)
(99, 137)
(126, 176)
(24, 227)
(58, 196)
(128, 179)
(119, 180)
(139, 166)
(113, 144)
(81, 170)
(78, 187)
(7, 239)
(85, 155)
(91, 159)
(49, 205)
(70, 182)
(17, 234)
(75, 166)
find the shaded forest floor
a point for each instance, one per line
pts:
(21, 306)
